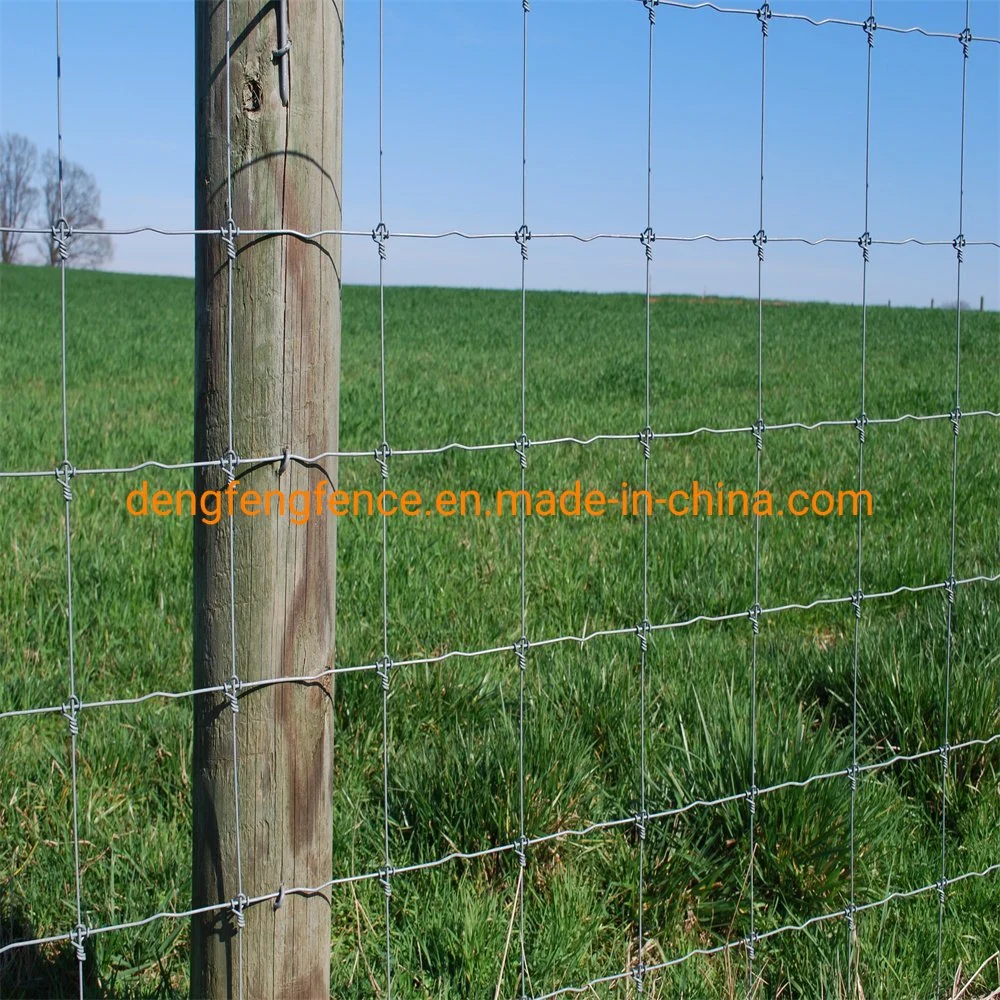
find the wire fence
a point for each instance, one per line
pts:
(520, 650)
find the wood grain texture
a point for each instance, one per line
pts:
(286, 173)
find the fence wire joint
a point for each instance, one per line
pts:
(62, 233)
(521, 237)
(521, 652)
(65, 474)
(865, 242)
(228, 233)
(646, 440)
(385, 666)
(229, 463)
(71, 711)
(955, 416)
(860, 423)
(237, 906)
(520, 851)
(384, 875)
(382, 455)
(647, 237)
(521, 445)
(856, 598)
(77, 936)
(380, 234)
(231, 689)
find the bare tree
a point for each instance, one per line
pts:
(81, 206)
(18, 158)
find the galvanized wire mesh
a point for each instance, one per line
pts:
(392, 661)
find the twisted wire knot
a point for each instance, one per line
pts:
(521, 652)
(522, 236)
(754, 615)
(71, 710)
(764, 15)
(638, 972)
(380, 234)
(949, 589)
(849, 912)
(956, 418)
(228, 234)
(650, 6)
(959, 244)
(856, 598)
(943, 752)
(384, 874)
(647, 237)
(382, 454)
(941, 884)
(228, 463)
(852, 776)
(965, 38)
(646, 440)
(62, 233)
(521, 446)
(237, 905)
(384, 666)
(526, 6)
(751, 797)
(231, 689)
(757, 430)
(870, 26)
(865, 242)
(642, 631)
(520, 848)
(760, 237)
(77, 936)
(641, 819)
(750, 941)
(860, 423)
(65, 474)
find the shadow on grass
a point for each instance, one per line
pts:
(51, 970)
(36, 970)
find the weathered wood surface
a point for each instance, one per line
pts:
(286, 173)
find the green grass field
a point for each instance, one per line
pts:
(454, 375)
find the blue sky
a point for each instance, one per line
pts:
(453, 125)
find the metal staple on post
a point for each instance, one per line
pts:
(282, 54)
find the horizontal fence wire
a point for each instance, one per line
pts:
(947, 586)
(245, 466)
(234, 466)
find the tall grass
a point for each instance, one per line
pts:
(454, 375)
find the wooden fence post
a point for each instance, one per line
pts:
(285, 320)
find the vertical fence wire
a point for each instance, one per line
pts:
(865, 243)
(523, 235)
(955, 420)
(382, 235)
(61, 234)
(763, 16)
(646, 437)
(239, 904)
